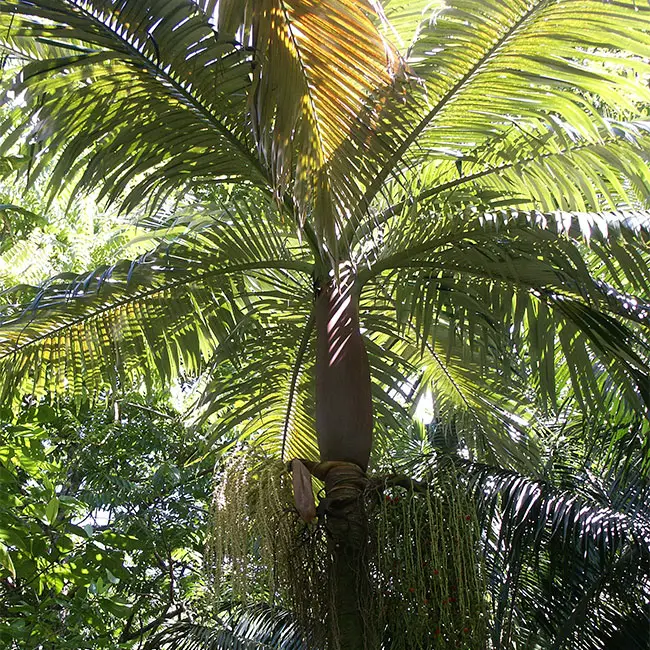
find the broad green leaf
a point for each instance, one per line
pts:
(52, 510)
(6, 561)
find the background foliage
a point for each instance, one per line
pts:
(102, 524)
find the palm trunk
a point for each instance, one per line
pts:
(350, 590)
(344, 429)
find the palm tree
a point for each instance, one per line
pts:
(355, 203)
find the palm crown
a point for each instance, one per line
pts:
(485, 169)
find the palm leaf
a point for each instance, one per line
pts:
(159, 315)
(548, 168)
(566, 559)
(263, 387)
(493, 66)
(469, 390)
(251, 628)
(320, 74)
(147, 100)
(534, 273)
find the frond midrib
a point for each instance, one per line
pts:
(602, 288)
(404, 258)
(288, 265)
(308, 86)
(442, 103)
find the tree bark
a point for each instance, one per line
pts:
(350, 587)
(344, 430)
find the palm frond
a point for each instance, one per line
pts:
(468, 389)
(137, 97)
(321, 74)
(160, 315)
(494, 67)
(241, 628)
(567, 560)
(566, 287)
(547, 168)
(264, 387)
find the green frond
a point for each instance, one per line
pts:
(484, 403)
(154, 317)
(491, 68)
(563, 561)
(321, 74)
(548, 168)
(567, 288)
(239, 628)
(533, 509)
(264, 387)
(148, 101)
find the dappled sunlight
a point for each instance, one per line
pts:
(361, 223)
(339, 326)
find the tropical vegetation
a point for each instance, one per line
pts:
(339, 212)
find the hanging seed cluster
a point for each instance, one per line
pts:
(429, 585)
(259, 548)
(427, 588)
